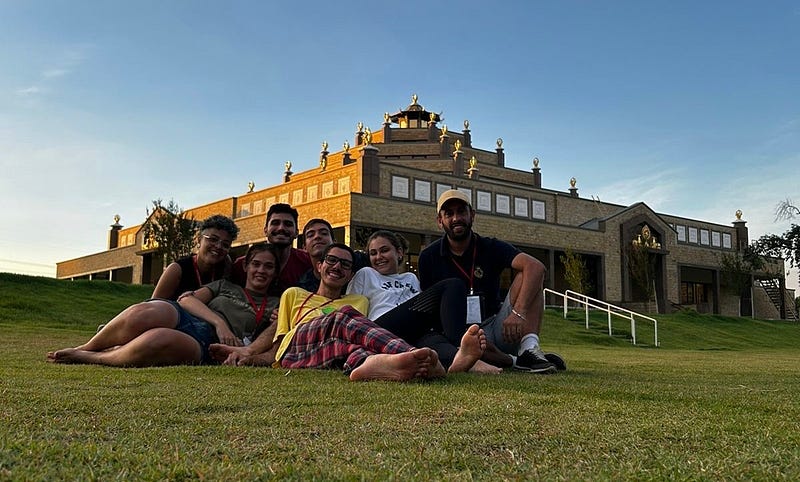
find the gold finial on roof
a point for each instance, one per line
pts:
(738, 214)
(443, 129)
(573, 182)
(116, 219)
(367, 136)
(324, 145)
(536, 162)
(414, 99)
(499, 142)
(466, 124)
(473, 162)
(432, 116)
(288, 166)
(250, 186)
(386, 118)
(346, 146)
(360, 127)
(457, 145)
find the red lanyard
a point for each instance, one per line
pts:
(197, 272)
(299, 318)
(259, 311)
(471, 274)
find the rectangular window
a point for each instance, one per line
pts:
(681, 233)
(441, 188)
(715, 239)
(693, 235)
(537, 208)
(422, 190)
(521, 207)
(726, 241)
(400, 187)
(503, 203)
(704, 237)
(484, 202)
(244, 210)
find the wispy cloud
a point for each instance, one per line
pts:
(66, 62)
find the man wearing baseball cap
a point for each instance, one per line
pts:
(511, 324)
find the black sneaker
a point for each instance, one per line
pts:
(534, 361)
(556, 360)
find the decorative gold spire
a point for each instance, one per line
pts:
(499, 142)
(443, 130)
(536, 163)
(324, 146)
(738, 214)
(573, 182)
(473, 162)
(116, 219)
(360, 127)
(367, 136)
(457, 145)
(386, 118)
(414, 99)
(250, 186)
(288, 166)
(432, 117)
(466, 124)
(346, 147)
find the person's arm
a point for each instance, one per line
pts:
(196, 303)
(526, 298)
(424, 268)
(169, 282)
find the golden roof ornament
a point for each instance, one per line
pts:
(367, 136)
(457, 145)
(473, 162)
(414, 99)
(443, 130)
(499, 142)
(288, 166)
(466, 124)
(738, 214)
(250, 186)
(386, 118)
(646, 239)
(572, 182)
(324, 145)
(346, 146)
(536, 163)
(432, 116)
(116, 219)
(360, 127)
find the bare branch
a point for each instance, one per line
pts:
(786, 209)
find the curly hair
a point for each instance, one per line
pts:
(223, 223)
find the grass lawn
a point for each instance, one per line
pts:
(718, 400)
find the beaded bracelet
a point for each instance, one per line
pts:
(518, 314)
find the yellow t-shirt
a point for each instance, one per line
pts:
(298, 306)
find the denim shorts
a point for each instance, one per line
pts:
(202, 331)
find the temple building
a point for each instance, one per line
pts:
(390, 178)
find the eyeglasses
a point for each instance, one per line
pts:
(332, 260)
(217, 241)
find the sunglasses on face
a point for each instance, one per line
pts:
(344, 263)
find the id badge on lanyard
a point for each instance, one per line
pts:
(474, 310)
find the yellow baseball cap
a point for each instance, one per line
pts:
(451, 194)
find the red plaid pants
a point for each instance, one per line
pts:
(341, 339)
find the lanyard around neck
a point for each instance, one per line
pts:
(299, 318)
(197, 272)
(260, 310)
(471, 275)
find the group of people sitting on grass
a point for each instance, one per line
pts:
(328, 307)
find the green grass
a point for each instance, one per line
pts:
(718, 400)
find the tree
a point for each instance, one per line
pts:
(787, 245)
(737, 269)
(575, 272)
(642, 268)
(169, 230)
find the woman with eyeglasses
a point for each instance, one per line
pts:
(165, 332)
(210, 263)
(328, 330)
(397, 303)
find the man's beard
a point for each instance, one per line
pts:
(465, 234)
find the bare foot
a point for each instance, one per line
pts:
(227, 354)
(473, 343)
(71, 355)
(260, 360)
(484, 368)
(397, 367)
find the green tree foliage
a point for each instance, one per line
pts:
(737, 269)
(642, 269)
(169, 230)
(787, 245)
(575, 272)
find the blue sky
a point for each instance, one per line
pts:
(691, 107)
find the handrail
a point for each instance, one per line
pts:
(610, 309)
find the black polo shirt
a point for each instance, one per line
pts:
(483, 261)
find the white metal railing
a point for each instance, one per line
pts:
(610, 310)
